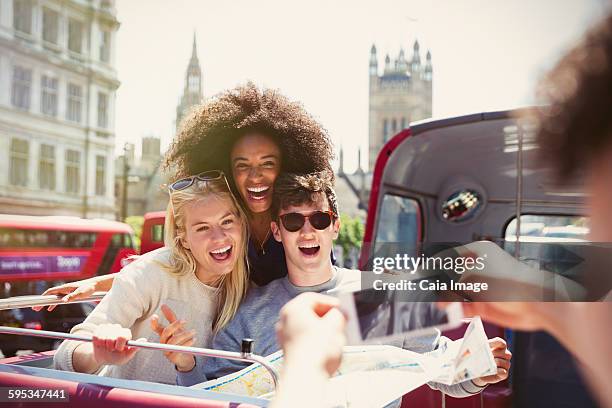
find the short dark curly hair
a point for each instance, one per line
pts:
(297, 189)
(576, 124)
(207, 135)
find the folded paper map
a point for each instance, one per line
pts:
(390, 370)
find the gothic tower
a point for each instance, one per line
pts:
(402, 94)
(192, 90)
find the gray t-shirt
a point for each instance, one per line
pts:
(256, 319)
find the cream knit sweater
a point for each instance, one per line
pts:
(138, 292)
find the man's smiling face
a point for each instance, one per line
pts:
(309, 248)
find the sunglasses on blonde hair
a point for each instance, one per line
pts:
(206, 176)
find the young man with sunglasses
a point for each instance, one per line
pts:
(305, 221)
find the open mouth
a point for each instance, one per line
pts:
(309, 249)
(258, 193)
(221, 254)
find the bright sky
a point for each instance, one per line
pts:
(487, 54)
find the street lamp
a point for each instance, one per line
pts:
(126, 169)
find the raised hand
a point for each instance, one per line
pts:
(311, 327)
(175, 333)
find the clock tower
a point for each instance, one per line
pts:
(192, 90)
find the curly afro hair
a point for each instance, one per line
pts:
(207, 135)
(576, 125)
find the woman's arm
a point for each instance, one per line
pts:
(109, 325)
(108, 347)
(80, 289)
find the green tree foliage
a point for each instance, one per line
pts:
(136, 223)
(351, 232)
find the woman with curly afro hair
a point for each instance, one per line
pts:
(252, 135)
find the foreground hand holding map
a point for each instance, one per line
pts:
(390, 370)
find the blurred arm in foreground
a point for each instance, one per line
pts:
(311, 333)
(575, 134)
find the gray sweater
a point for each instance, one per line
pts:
(256, 319)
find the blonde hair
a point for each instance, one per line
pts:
(232, 286)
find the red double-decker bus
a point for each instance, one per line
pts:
(34, 248)
(39, 252)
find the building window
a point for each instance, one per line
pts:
(102, 110)
(73, 164)
(48, 95)
(100, 175)
(19, 162)
(403, 124)
(46, 167)
(385, 130)
(105, 44)
(75, 100)
(22, 16)
(75, 36)
(50, 25)
(394, 126)
(22, 82)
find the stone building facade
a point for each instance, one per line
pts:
(398, 96)
(57, 107)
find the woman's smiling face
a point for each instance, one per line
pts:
(256, 162)
(213, 234)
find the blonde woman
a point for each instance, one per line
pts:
(200, 274)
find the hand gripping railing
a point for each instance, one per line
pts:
(29, 301)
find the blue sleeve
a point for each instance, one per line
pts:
(189, 378)
(229, 339)
(210, 368)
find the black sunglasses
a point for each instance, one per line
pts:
(211, 175)
(295, 221)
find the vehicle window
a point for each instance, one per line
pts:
(551, 242)
(116, 241)
(398, 220)
(157, 233)
(549, 226)
(13, 237)
(128, 241)
(122, 241)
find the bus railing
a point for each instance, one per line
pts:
(17, 302)
(29, 301)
